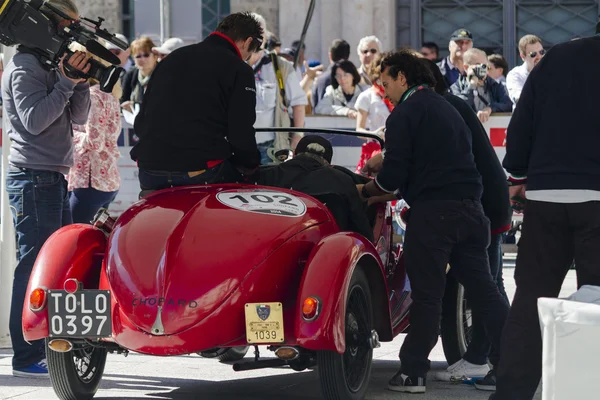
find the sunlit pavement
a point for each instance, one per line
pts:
(192, 377)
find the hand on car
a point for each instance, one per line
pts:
(374, 165)
(352, 114)
(79, 61)
(484, 115)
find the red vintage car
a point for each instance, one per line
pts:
(165, 280)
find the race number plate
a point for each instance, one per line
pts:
(264, 323)
(84, 314)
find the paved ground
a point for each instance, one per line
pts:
(192, 377)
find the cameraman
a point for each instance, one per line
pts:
(41, 104)
(483, 94)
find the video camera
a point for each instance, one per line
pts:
(22, 23)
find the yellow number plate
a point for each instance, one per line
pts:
(264, 322)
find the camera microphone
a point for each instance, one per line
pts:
(98, 50)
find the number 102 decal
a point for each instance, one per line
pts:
(263, 202)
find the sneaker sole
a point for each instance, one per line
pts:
(485, 388)
(407, 389)
(21, 374)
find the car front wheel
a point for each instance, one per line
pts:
(457, 321)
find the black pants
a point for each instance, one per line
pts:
(438, 233)
(479, 348)
(553, 235)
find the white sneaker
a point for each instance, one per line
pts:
(461, 370)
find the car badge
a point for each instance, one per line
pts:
(263, 311)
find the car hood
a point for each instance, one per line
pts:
(175, 256)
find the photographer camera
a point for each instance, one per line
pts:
(41, 105)
(484, 95)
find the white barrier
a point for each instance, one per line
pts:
(343, 155)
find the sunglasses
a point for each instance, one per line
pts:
(344, 75)
(535, 53)
(143, 55)
(372, 51)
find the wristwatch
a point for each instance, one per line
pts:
(364, 192)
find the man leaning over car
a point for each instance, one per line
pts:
(429, 161)
(195, 130)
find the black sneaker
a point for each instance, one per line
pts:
(488, 383)
(407, 384)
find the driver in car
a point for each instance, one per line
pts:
(310, 172)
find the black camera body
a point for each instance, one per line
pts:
(23, 23)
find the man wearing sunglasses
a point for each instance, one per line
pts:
(196, 120)
(367, 49)
(532, 51)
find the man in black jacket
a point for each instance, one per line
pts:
(196, 120)
(497, 208)
(310, 172)
(429, 161)
(553, 161)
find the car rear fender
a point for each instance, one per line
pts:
(327, 276)
(74, 251)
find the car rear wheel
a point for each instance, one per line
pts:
(76, 375)
(457, 321)
(346, 376)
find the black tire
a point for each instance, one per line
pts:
(234, 354)
(346, 376)
(76, 375)
(457, 321)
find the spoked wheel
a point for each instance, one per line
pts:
(76, 375)
(346, 376)
(457, 321)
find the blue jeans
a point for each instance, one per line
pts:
(264, 156)
(479, 348)
(39, 203)
(85, 203)
(157, 180)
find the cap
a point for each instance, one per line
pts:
(288, 52)
(169, 46)
(272, 42)
(461, 34)
(121, 37)
(316, 145)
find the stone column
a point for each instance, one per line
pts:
(269, 9)
(357, 22)
(110, 10)
(384, 23)
(292, 15)
(330, 24)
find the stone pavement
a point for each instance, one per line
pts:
(192, 377)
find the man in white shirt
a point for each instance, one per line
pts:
(267, 90)
(532, 51)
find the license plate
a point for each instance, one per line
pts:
(85, 313)
(264, 322)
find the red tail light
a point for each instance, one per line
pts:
(72, 285)
(310, 308)
(37, 299)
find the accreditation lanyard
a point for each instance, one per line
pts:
(412, 91)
